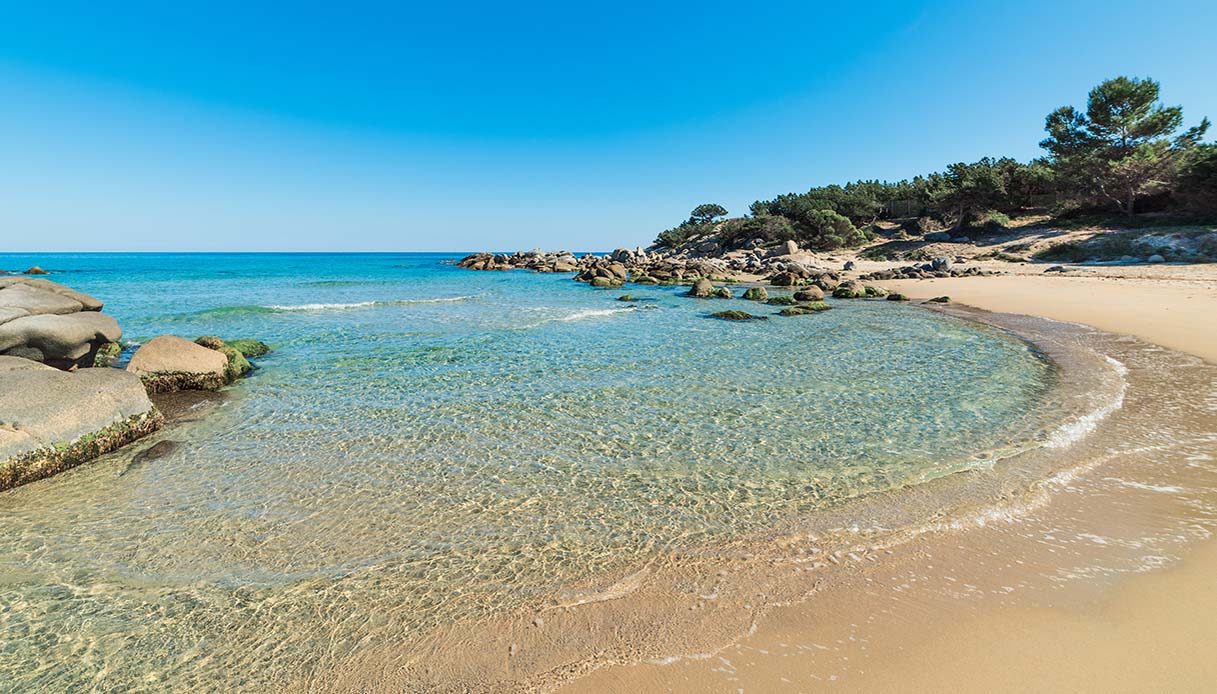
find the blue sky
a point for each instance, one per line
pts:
(159, 127)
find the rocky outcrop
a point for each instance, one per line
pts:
(52, 420)
(940, 267)
(658, 265)
(168, 363)
(48, 322)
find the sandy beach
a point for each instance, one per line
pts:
(1128, 633)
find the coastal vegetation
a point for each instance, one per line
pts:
(1124, 154)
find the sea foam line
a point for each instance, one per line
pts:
(1071, 433)
(365, 304)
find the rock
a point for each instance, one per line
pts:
(626, 297)
(52, 420)
(63, 340)
(937, 236)
(618, 270)
(940, 300)
(809, 293)
(160, 449)
(849, 265)
(35, 301)
(849, 290)
(782, 301)
(36, 271)
(1057, 268)
(1155, 258)
(961, 239)
(237, 366)
(873, 292)
(784, 279)
(721, 293)
(87, 302)
(826, 282)
(250, 349)
(701, 289)
(605, 282)
(790, 248)
(736, 315)
(756, 294)
(940, 263)
(804, 309)
(168, 363)
(897, 296)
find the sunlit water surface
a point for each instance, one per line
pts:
(428, 444)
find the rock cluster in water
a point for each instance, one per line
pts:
(62, 403)
(656, 265)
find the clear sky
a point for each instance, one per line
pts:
(470, 126)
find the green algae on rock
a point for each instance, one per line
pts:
(804, 309)
(736, 315)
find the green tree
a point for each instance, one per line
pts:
(707, 212)
(1121, 147)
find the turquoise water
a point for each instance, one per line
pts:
(429, 444)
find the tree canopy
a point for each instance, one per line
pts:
(707, 212)
(1121, 147)
(1125, 146)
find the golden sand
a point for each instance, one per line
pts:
(915, 625)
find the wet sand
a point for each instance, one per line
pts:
(972, 611)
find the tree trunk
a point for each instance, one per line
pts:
(1132, 199)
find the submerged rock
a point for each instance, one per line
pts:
(736, 315)
(168, 363)
(756, 294)
(804, 309)
(897, 296)
(52, 420)
(160, 449)
(250, 349)
(701, 289)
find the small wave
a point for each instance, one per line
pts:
(593, 313)
(584, 314)
(1164, 488)
(366, 304)
(1074, 431)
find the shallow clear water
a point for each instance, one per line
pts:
(428, 444)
